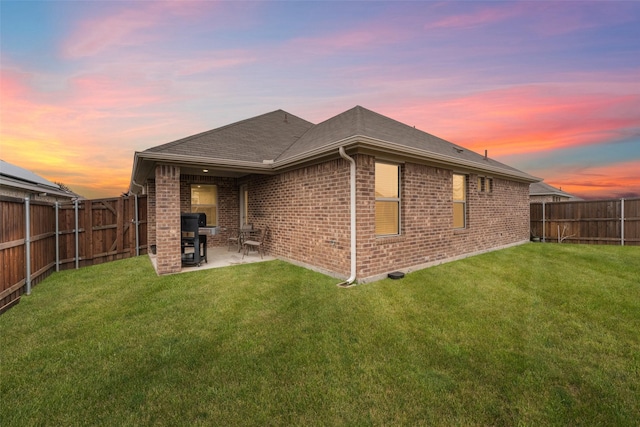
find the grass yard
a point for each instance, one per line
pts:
(541, 334)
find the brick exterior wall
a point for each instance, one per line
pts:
(167, 201)
(494, 220)
(306, 213)
(228, 203)
(151, 211)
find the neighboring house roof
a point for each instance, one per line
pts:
(544, 189)
(279, 140)
(20, 178)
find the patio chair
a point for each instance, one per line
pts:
(254, 242)
(236, 235)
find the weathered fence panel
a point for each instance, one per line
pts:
(42, 240)
(632, 222)
(12, 255)
(88, 232)
(605, 222)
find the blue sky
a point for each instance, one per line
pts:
(552, 88)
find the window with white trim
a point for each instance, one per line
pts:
(459, 201)
(387, 187)
(204, 199)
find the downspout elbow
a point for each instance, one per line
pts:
(133, 181)
(352, 190)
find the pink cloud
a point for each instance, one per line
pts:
(134, 24)
(124, 91)
(527, 119)
(371, 36)
(480, 17)
(211, 61)
(555, 18)
(348, 40)
(77, 136)
(13, 83)
(544, 18)
(601, 181)
(94, 35)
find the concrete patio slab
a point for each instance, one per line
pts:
(218, 257)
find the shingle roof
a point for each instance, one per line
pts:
(544, 189)
(17, 177)
(283, 140)
(16, 172)
(256, 139)
(360, 121)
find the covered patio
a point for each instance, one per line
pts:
(221, 195)
(218, 257)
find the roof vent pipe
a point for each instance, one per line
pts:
(352, 179)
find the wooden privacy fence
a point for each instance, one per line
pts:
(37, 238)
(601, 222)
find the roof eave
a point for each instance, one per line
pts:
(35, 188)
(402, 150)
(144, 163)
(551, 194)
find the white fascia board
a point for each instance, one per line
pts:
(403, 150)
(328, 149)
(202, 161)
(35, 188)
(138, 176)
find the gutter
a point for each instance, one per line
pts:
(201, 161)
(352, 179)
(449, 161)
(35, 188)
(273, 167)
(133, 181)
(139, 174)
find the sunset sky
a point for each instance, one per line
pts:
(551, 88)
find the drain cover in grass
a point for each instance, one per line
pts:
(395, 275)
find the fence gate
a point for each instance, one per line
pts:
(37, 238)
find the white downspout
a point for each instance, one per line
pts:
(137, 185)
(352, 177)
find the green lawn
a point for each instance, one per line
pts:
(541, 334)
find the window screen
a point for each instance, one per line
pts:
(204, 199)
(459, 201)
(387, 183)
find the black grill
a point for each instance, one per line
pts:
(191, 241)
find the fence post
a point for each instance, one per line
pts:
(57, 238)
(77, 235)
(621, 222)
(27, 243)
(544, 217)
(137, 222)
